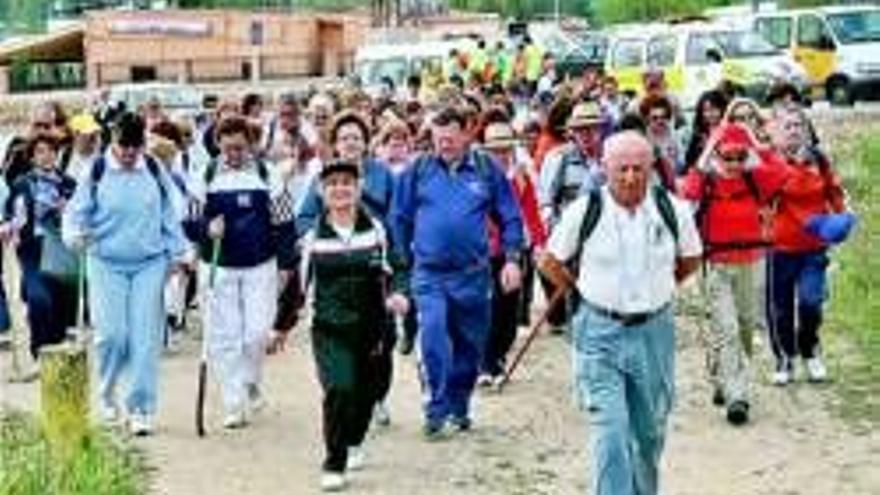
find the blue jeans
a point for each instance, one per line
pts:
(128, 315)
(5, 322)
(625, 377)
(454, 317)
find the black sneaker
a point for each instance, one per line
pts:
(405, 346)
(718, 398)
(738, 413)
(461, 423)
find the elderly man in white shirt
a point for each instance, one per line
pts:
(640, 244)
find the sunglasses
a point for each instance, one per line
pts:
(734, 157)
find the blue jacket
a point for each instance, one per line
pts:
(378, 188)
(126, 215)
(254, 232)
(440, 218)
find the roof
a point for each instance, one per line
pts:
(63, 45)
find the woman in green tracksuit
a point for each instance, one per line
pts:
(345, 254)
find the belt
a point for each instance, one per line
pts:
(626, 319)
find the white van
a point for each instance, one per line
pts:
(398, 61)
(838, 47)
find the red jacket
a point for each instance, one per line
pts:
(808, 192)
(547, 142)
(527, 198)
(732, 218)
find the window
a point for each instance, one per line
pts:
(856, 27)
(257, 33)
(698, 47)
(141, 73)
(661, 51)
(812, 33)
(628, 53)
(776, 30)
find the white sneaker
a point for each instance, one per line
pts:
(332, 482)
(381, 415)
(784, 373)
(357, 458)
(816, 370)
(235, 420)
(141, 425)
(484, 380)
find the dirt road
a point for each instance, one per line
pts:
(530, 440)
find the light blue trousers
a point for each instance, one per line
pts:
(127, 312)
(625, 378)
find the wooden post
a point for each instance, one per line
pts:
(64, 384)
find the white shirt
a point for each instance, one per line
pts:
(628, 262)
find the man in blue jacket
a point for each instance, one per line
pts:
(440, 216)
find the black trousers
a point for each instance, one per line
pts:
(382, 363)
(528, 289)
(505, 314)
(346, 370)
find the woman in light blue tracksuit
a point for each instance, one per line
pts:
(121, 215)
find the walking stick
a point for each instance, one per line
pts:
(203, 361)
(558, 297)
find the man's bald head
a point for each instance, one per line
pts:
(628, 159)
(627, 148)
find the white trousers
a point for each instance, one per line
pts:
(238, 313)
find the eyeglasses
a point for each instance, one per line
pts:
(657, 117)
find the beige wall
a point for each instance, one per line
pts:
(293, 45)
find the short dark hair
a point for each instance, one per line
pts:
(41, 137)
(344, 118)
(655, 101)
(233, 125)
(129, 130)
(449, 115)
(249, 101)
(168, 130)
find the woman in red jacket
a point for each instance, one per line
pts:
(811, 216)
(732, 185)
(499, 140)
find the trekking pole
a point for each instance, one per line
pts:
(557, 298)
(203, 361)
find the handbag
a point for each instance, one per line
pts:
(56, 259)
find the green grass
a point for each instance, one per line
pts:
(854, 315)
(100, 467)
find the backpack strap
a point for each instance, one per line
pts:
(556, 186)
(588, 225)
(100, 166)
(666, 210)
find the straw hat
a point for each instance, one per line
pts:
(498, 136)
(586, 114)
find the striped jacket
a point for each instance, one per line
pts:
(350, 277)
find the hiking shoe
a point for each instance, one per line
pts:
(381, 415)
(816, 370)
(784, 374)
(718, 397)
(435, 431)
(461, 423)
(738, 413)
(141, 425)
(332, 482)
(357, 458)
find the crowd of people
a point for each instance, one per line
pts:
(423, 221)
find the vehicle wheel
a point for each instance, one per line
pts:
(839, 92)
